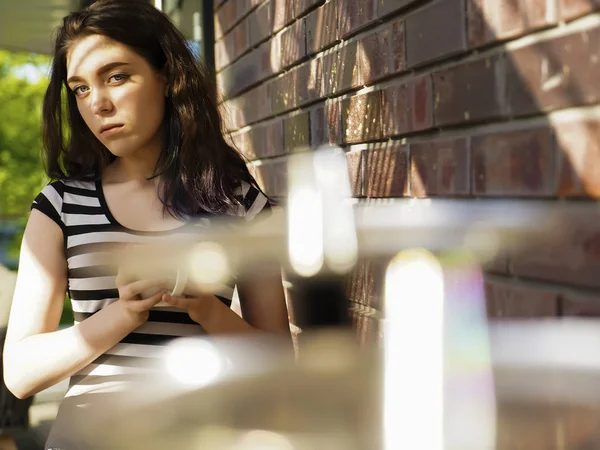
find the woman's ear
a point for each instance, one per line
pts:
(165, 82)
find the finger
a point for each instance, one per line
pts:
(180, 302)
(145, 304)
(132, 290)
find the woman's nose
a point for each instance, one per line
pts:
(101, 103)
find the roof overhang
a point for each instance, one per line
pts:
(28, 25)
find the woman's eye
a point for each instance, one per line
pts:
(78, 90)
(118, 77)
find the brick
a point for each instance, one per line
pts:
(490, 20)
(361, 118)
(225, 18)
(554, 74)
(288, 91)
(331, 73)
(272, 177)
(302, 6)
(435, 31)
(375, 270)
(385, 7)
(279, 101)
(355, 162)
(245, 6)
(576, 304)
(386, 171)
(375, 56)
(325, 123)
(354, 282)
(356, 15)
(439, 168)
(570, 9)
(265, 141)
(241, 74)
(296, 131)
(420, 114)
(241, 37)
(322, 27)
(252, 106)
(229, 46)
(273, 134)
(470, 92)
(340, 70)
(260, 23)
(247, 114)
(579, 157)
(222, 55)
(571, 256)
(262, 108)
(283, 13)
(369, 330)
(407, 107)
(243, 143)
(349, 74)
(308, 79)
(398, 46)
(296, 85)
(231, 114)
(293, 44)
(268, 58)
(507, 300)
(514, 163)
(395, 107)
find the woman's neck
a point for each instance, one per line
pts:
(125, 170)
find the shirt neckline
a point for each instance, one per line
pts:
(114, 221)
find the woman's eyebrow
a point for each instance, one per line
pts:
(105, 68)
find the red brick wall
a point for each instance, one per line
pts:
(451, 98)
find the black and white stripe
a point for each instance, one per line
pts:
(91, 237)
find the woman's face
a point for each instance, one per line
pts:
(120, 96)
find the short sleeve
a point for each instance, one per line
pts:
(49, 202)
(255, 202)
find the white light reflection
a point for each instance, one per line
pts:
(340, 242)
(263, 440)
(193, 362)
(320, 212)
(414, 352)
(305, 217)
(209, 264)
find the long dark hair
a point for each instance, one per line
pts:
(199, 170)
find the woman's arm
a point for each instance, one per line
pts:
(36, 355)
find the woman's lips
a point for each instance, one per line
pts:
(112, 130)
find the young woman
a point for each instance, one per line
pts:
(137, 153)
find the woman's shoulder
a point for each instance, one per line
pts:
(59, 187)
(51, 198)
(252, 199)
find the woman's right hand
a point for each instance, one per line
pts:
(132, 304)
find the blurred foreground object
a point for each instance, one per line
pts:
(445, 377)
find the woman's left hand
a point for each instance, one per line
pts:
(198, 307)
(210, 312)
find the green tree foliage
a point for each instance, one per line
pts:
(21, 169)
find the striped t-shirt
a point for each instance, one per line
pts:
(90, 234)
